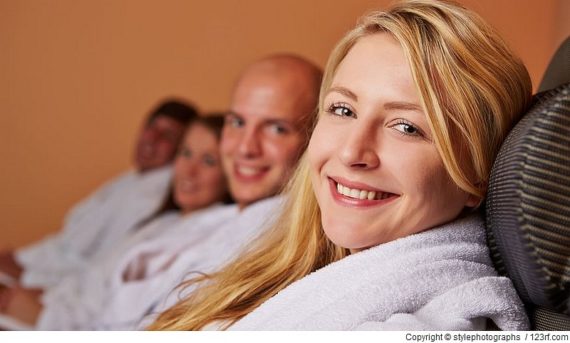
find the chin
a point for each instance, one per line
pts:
(247, 199)
(344, 237)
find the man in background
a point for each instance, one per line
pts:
(266, 130)
(95, 224)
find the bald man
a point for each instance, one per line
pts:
(266, 130)
(268, 125)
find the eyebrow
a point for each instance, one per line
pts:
(232, 113)
(392, 105)
(279, 121)
(402, 105)
(270, 121)
(344, 91)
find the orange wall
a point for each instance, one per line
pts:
(78, 76)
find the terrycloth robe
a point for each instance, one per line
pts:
(440, 279)
(117, 295)
(94, 226)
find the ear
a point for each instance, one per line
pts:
(473, 201)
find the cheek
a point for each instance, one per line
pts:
(284, 152)
(423, 176)
(178, 168)
(214, 178)
(214, 183)
(229, 141)
(145, 136)
(446, 193)
(439, 194)
(321, 147)
(167, 149)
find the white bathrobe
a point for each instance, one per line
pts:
(94, 226)
(440, 279)
(117, 295)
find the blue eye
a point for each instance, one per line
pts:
(234, 121)
(278, 129)
(209, 161)
(186, 153)
(407, 129)
(341, 110)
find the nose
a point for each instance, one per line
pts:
(249, 145)
(192, 168)
(187, 167)
(359, 148)
(151, 134)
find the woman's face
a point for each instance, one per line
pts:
(198, 177)
(375, 170)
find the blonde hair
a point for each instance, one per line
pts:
(472, 88)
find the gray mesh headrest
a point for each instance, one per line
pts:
(528, 203)
(558, 71)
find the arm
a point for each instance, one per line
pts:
(9, 266)
(46, 261)
(21, 304)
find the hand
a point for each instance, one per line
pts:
(8, 264)
(21, 303)
(4, 297)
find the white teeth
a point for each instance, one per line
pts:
(248, 171)
(186, 186)
(355, 193)
(359, 193)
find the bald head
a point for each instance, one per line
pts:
(291, 80)
(271, 112)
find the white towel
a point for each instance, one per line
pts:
(213, 253)
(440, 279)
(102, 299)
(8, 323)
(93, 227)
(79, 299)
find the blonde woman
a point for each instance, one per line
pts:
(381, 229)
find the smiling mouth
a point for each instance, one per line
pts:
(186, 186)
(357, 196)
(247, 173)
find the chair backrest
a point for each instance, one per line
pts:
(528, 201)
(528, 209)
(558, 71)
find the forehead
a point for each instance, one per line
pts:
(166, 123)
(377, 67)
(200, 136)
(263, 97)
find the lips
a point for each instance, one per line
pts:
(186, 186)
(247, 173)
(358, 194)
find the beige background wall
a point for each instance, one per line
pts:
(78, 76)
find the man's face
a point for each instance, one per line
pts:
(262, 137)
(158, 143)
